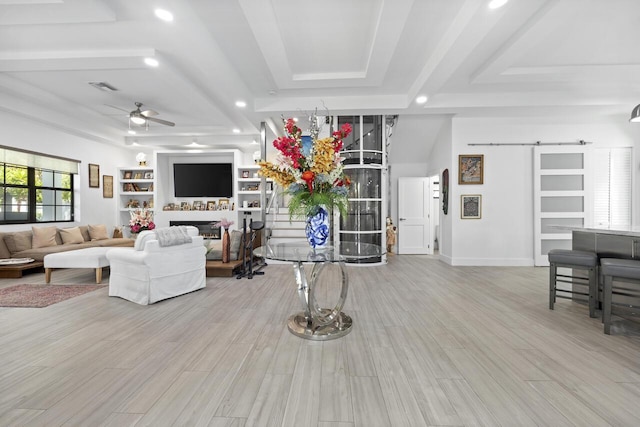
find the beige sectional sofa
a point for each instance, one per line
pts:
(21, 244)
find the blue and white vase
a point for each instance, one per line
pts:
(317, 228)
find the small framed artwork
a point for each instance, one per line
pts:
(470, 169)
(107, 186)
(211, 205)
(94, 176)
(223, 204)
(138, 175)
(470, 206)
(245, 174)
(197, 205)
(127, 175)
(148, 175)
(185, 206)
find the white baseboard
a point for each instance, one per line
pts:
(492, 262)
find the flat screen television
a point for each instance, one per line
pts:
(202, 179)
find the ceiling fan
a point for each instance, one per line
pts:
(140, 117)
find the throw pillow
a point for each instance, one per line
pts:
(71, 236)
(98, 232)
(18, 241)
(235, 241)
(43, 237)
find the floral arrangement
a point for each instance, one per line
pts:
(141, 219)
(311, 171)
(224, 223)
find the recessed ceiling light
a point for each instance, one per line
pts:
(421, 99)
(151, 62)
(236, 130)
(165, 15)
(494, 4)
(241, 104)
(131, 132)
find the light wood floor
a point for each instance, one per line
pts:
(432, 345)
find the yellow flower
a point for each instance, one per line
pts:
(269, 170)
(323, 156)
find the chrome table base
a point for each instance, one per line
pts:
(315, 323)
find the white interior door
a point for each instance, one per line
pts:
(414, 213)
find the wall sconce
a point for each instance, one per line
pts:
(635, 114)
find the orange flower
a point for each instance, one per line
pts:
(308, 176)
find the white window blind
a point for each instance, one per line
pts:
(612, 189)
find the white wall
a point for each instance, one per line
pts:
(91, 207)
(439, 159)
(504, 234)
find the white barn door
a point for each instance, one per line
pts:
(563, 196)
(414, 213)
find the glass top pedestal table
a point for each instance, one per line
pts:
(316, 323)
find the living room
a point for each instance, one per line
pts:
(460, 338)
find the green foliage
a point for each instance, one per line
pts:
(304, 204)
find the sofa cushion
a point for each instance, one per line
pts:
(18, 241)
(121, 241)
(98, 232)
(71, 235)
(43, 237)
(38, 254)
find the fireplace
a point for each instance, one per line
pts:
(207, 229)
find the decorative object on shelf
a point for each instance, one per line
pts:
(141, 158)
(245, 174)
(391, 235)
(223, 204)
(310, 169)
(226, 239)
(211, 205)
(127, 175)
(148, 175)
(94, 176)
(470, 169)
(317, 228)
(141, 219)
(107, 186)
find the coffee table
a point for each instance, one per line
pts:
(316, 323)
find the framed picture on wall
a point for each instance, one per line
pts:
(94, 176)
(470, 206)
(470, 169)
(107, 186)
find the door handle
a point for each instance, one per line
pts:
(402, 219)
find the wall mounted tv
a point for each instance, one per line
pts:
(202, 180)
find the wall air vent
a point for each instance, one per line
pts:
(103, 86)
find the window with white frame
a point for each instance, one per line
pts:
(612, 187)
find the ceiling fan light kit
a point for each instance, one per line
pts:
(139, 117)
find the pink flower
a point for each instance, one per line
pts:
(224, 223)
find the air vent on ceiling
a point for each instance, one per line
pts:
(103, 86)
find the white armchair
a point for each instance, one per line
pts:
(148, 272)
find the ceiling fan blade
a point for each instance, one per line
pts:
(162, 122)
(148, 113)
(117, 108)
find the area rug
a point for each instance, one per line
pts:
(38, 296)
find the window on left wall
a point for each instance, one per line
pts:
(34, 195)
